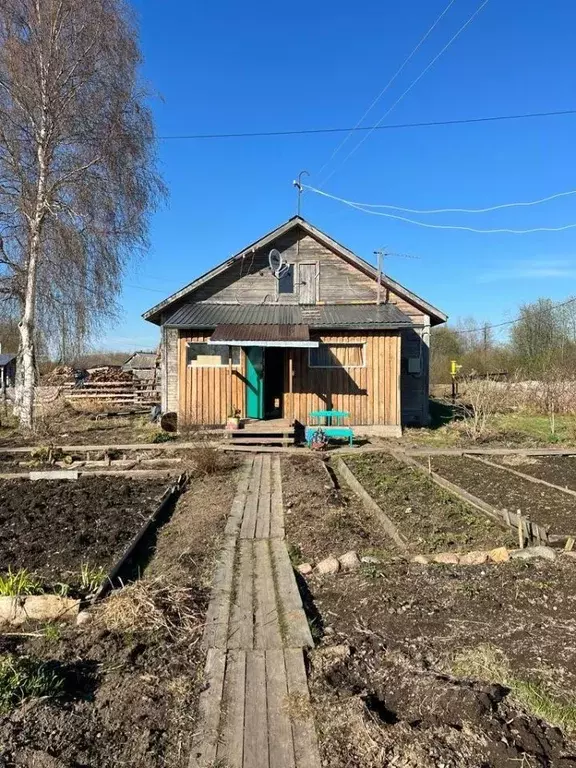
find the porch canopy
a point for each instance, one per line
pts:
(241, 335)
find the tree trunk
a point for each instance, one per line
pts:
(27, 333)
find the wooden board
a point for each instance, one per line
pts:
(297, 629)
(262, 530)
(231, 742)
(303, 731)
(241, 630)
(204, 748)
(235, 518)
(267, 626)
(280, 740)
(276, 505)
(255, 715)
(218, 613)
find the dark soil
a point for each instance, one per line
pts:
(430, 519)
(52, 527)
(503, 490)
(396, 700)
(559, 470)
(320, 520)
(131, 696)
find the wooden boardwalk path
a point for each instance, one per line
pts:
(254, 711)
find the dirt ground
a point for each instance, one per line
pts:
(321, 521)
(405, 670)
(503, 490)
(133, 675)
(52, 527)
(430, 519)
(559, 470)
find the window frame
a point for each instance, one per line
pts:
(295, 283)
(361, 344)
(225, 365)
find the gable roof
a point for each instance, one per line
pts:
(6, 358)
(436, 315)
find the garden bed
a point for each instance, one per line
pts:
(54, 527)
(321, 520)
(558, 470)
(430, 519)
(452, 666)
(131, 677)
(545, 506)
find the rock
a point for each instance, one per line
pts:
(474, 558)
(422, 559)
(371, 560)
(499, 555)
(447, 558)
(572, 555)
(305, 569)
(333, 652)
(84, 617)
(328, 566)
(532, 553)
(350, 561)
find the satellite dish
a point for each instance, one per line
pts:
(278, 266)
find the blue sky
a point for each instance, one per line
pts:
(255, 66)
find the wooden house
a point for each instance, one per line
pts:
(322, 333)
(7, 371)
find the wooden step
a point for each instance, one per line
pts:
(264, 440)
(287, 432)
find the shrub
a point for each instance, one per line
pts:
(207, 460)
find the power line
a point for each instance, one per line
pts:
(412, 84)
(452, 210)
(366, 128)
(508, 322)
(388, 84)
(359, 207)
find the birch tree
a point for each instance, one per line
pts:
(77, 166)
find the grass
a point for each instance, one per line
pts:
(17, 583)
(295, 554)
(23, 678)
(91, 578)
(486, 662)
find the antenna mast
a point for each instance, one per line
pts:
(298, 184)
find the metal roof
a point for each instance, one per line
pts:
(6, 358)
(338, 316)
(140, 360)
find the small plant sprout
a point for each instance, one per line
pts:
(91, 578)
(21, 582)
(24, 678)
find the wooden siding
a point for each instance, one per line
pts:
(250, 281)
(370, 394)
(204, 393)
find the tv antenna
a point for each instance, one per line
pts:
(298, 184)
(382, 253)
(278, 266)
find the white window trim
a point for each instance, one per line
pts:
(193, 365)
(339, 344)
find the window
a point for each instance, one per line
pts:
(286, 282)
(337, 356)
(211, 355)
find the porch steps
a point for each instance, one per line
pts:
(262, 440)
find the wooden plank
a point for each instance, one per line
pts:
(241, 630)
(204, 748)
(237, 510)
(262, 530)
(248, 527)
(294, 621)
(303, 731)
(279, 725)
(276, 505)
(54, 474)
(231, 742)
(218, 613)
(267, 629)
(371, 505)
(255, 713)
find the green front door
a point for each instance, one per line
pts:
(254, 382)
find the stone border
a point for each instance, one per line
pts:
(16, 610)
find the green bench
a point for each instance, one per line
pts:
(332, 425)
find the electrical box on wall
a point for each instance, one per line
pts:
(414, 365)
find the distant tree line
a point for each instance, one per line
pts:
(542, 340)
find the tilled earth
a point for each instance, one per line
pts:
(559, 470)
(503, 490)
(131, 688)
(52, 527)
(430, 519)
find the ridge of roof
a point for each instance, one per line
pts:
(153, 314)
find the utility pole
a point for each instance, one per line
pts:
(380, 254)
(299, 187)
